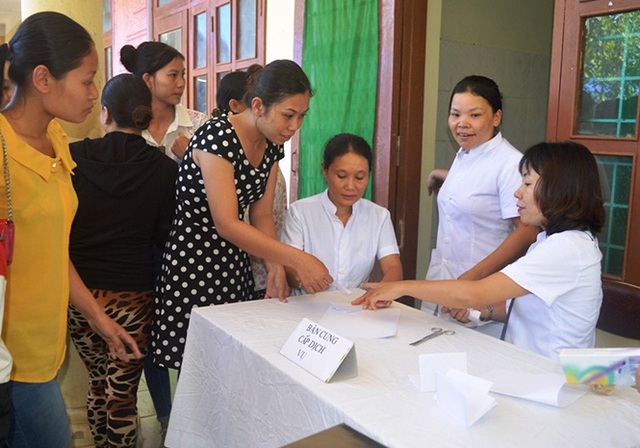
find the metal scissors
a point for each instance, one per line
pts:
(435, 333)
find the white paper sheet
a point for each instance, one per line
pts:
(546, 388)
(353, 322)
(464, 397)
(431, 363)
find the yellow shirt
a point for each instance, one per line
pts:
(37, 296)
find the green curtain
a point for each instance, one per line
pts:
(340, 56)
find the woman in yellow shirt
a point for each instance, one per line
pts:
(52, 63)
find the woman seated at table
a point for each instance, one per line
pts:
(346, 232)
(557, 283)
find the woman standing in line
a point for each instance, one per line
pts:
(126, 199)
(479, 230)
(52, 65)
(231, 163)
(162, 68)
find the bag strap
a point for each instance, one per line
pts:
(7, 178)
(506, 321)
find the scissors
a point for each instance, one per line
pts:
(435, 333)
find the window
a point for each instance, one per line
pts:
(599, 108)
(216, 37)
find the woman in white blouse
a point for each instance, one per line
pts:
(557, 285)
(479, 230)
(346, 232)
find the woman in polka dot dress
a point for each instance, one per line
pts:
(231, 162)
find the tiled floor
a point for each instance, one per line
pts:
(150, 435)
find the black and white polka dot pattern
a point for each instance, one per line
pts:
(200, 267)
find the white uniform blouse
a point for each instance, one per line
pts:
(186, 121)
(562, 272)
(349, 252)
(475, 209)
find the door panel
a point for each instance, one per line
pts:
(595, 81)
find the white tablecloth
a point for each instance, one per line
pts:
(236, 390)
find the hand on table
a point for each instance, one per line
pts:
(312, 274)
(459, 314)
(378, 295)
(277, 286)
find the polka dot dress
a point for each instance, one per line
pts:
(200, 267)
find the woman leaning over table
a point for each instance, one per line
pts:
(479, 231)
(345, 231)
(162, 68)
(231, 90)
(52, 65)
(126, 191)
(231, 163)
(557, 284)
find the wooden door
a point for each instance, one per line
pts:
(595, 82)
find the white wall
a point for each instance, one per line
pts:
(279, 45)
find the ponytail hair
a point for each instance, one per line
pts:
(128, 101)
(149, 57)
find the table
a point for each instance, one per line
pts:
(236, 390)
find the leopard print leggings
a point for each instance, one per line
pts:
(113, 384)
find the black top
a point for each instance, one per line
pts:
(126, 195)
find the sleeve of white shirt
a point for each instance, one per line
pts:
(509, 180)
(387, 244)
(293, 230)
(550, 269)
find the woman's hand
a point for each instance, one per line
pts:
(459, 314)
(277, 286)
(313, 274)
(435, 179)
(116, 338)
(179, 147)
(378, 295)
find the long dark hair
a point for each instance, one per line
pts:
(46, 38)
(568, 192)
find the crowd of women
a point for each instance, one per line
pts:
(119, 253)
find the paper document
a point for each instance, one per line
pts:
(546, 388)
(353, 322)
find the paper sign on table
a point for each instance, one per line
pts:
(431, 363)
(321, 352)
(546, 388)
(356, 322)
(464, 397)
